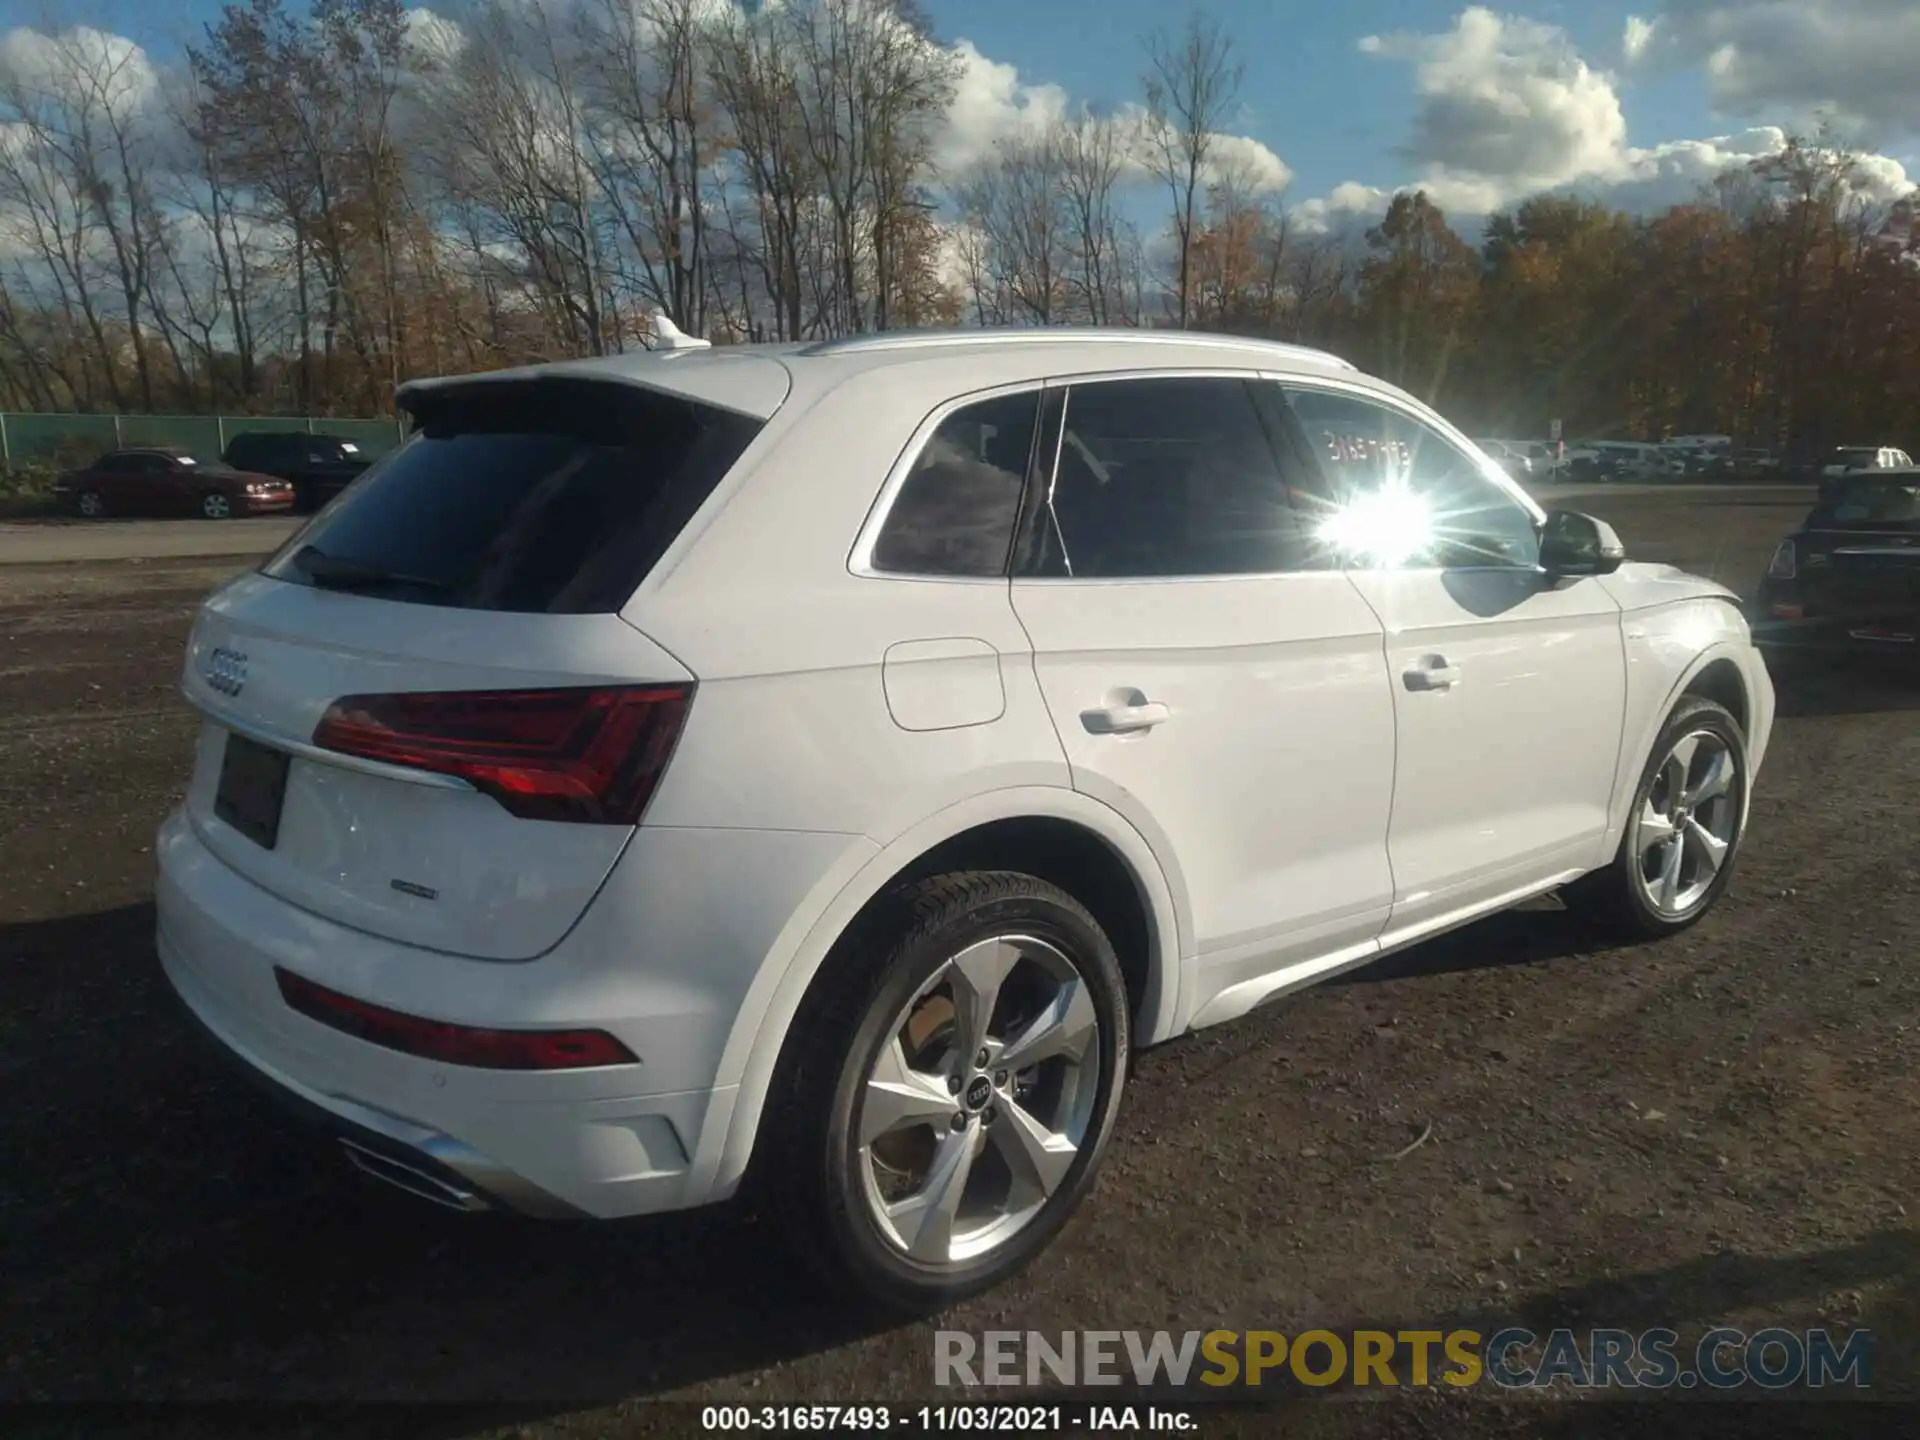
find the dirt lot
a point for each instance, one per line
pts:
(1721, 1129)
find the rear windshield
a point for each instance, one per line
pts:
(539, 497)
(1866, 503)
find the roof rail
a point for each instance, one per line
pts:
(1066, 334)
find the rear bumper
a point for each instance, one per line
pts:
(585, 1142)
(1884, 635)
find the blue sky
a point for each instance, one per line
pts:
(1331, 112)
(1637, 103)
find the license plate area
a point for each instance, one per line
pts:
(252, 789)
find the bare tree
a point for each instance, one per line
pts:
(1191, 84)
(508, 150)
(1092, 160)
(1015, 202)
(649, 130)
(76, 169)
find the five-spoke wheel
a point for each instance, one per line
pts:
(977, 1103)
(949, 1088)
(1684, 829)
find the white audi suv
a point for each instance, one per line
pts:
(818, 768)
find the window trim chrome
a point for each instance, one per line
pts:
(860, 559)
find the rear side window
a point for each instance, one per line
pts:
(1167, 477)
(956, 513)
(538, 497)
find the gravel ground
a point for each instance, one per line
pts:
(1717, 1130)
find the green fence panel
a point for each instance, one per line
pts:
(198, 435)
(64, 439)
(76, 439)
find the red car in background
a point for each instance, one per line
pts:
(163, 480)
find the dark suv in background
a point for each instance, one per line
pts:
(320, 466)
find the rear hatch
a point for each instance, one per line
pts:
(424, 717)
(1862, 563)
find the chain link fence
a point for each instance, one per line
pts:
(76, 439)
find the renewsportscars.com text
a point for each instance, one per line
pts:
(1512, 1358)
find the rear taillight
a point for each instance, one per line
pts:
(454, 1044)
(589, 756)
(1785, 564)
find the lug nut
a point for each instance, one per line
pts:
(1000, 1078)
(989, 1115)
(981, 1059)
(960, 1120)
(953, 1084)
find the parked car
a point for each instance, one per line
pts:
(1618, 460)
(1849, 578)
(1509, 457)
(818, 770)
(319, 466)
(1844, 460)
(1747, 461)
(162, 480)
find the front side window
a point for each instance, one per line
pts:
(1396, 494)
(956, 512)
(1167, 477)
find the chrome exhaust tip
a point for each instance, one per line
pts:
(414, 1181)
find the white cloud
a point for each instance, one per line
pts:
(991, 103)
(434, 35)
(1852, 62)
(1638, 37)
(1508, 109)
(1242, 161)
(1507, 106)
(1341, 207)
(82, 61)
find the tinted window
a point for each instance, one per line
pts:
(1868, 503)
(1398, 494)
(114, 465)
(1167, 477)
(956, 512)
(554, 496)
(256, 448)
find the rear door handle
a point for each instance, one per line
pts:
(1432, 673)
(1124, 719)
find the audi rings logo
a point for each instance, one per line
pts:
(227, 671)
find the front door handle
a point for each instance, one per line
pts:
(1124, 719)
(1432, 673)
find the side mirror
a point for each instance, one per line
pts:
(1576, 544)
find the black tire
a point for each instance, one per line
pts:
(808, 1166)
(1614, 896)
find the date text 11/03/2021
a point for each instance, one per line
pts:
(948, 1419)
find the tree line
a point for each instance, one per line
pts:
(319, 203)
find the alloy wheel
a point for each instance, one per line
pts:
(1686, 827)
(974, 1110)
(215, 506)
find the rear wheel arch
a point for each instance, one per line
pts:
(1093, 846)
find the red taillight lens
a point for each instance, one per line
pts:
(454, 1044)
(590, 756)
